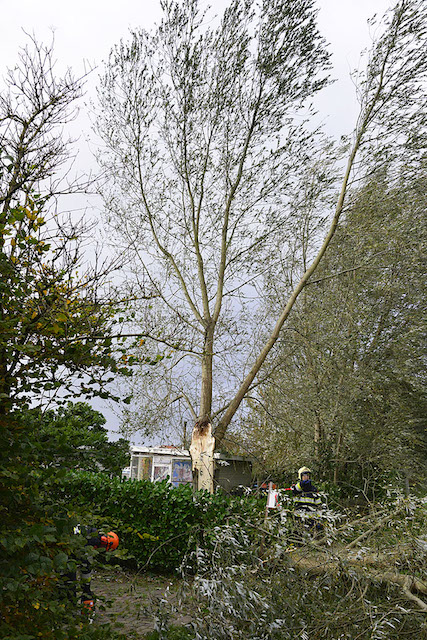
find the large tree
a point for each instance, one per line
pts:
(211, 164)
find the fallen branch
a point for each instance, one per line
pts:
(409, 584)
(411, 596)
(349, 525)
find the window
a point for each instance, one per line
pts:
(161, 472)
(181, 472)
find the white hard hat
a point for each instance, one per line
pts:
(303, 470)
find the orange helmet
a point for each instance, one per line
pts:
(110, 541)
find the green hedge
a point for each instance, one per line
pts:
(156, 522)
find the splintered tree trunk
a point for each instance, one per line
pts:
(201, 451)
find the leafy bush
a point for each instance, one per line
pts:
(73, 436)
(36, 546)
(156, 522)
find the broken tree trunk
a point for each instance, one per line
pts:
(202, 456)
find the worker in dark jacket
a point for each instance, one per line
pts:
(306, 496)
(97, 540)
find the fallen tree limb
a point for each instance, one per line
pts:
(411, 596)
(317, 566)
(408, 582)
(349, 525)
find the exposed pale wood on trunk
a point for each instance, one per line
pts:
(201, 451)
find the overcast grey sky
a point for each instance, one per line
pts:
(85, 31)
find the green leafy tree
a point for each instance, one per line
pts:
(56, 318)
(55, 314)
(73, 437)
(349, 390)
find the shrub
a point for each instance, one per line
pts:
(36, 546)
(156, 522)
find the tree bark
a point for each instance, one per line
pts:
(207, 367)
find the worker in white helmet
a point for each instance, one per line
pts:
(305, 494)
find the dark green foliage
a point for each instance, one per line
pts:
(157, 523)
(56, 321)
(36, 545)
(74, 438)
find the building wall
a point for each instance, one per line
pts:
(229, 473)
(236, 473)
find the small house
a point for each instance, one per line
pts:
(174, 464)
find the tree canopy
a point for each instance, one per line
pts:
(204, 142)
(56, 309)
(219, 180)
(349, 387)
